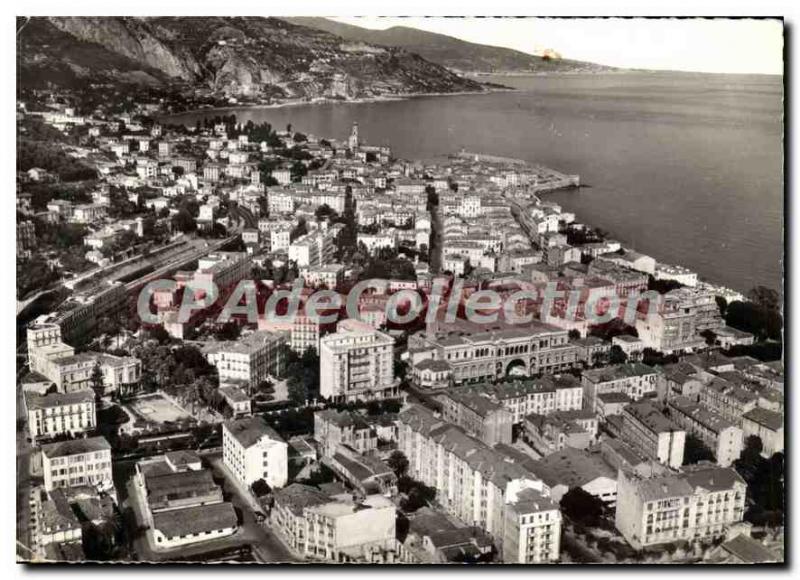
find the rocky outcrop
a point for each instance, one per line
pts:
(235, 56)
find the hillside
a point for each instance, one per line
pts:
(453, 53)
(252, 56)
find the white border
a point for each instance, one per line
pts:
(783, 8)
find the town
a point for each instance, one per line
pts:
(410, 428)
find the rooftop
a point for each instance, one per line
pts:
(772, 420)
(647, 414)
(749, 551)
(573, 467)
(618, 372)
(76, 447)
(250, 430)
(193, 520)
(35, 401)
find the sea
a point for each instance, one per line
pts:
(687, 168)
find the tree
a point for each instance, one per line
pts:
(400, 369)
(765, 483)
(709, 336)
(398, 462)
(417, 494)
(582, 507)
(761, 315)
(260, 488)
(722, 304)
(574, 334)
(97, 382)
(695, 451)
(183, 221)
(616, 355)
(227, 331)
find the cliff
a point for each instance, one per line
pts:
(250, 56)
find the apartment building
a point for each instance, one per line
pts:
(532, 532)
(57, 526)
(26, 238)
(224, 269)
(699, 503)
(350, 428)
(633, 379)
(60, 413)
(78, 462)
(478, 415)
(253, 450)
(251, 359)
(473, 481)
(356, 362)
(559, 430)
(333, 529)
(626, 281)
(304, 333)
(648, 430)
(722, 437)
(766, 425)
(328, 276)
(42, 333)
(672, 328)
(544, 395)
(728, 399)
(313, 249)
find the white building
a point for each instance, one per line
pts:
(253, 450)
(649, 431)
(251, 359)
(60, 413)
(722, 437)
(635, 380)
(356, 362)
(327, 276)
(77, 462)
(699, 504)
(333, 529)
(480, 485)
(768, 426)
(532, 533)
(305, 333)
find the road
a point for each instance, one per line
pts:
(266, 544)
(522, 218)
(24, 538)
(435, 251)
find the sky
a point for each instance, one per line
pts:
(699, 45)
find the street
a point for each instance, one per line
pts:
(265, 544)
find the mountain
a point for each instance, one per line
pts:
(250, 56)
(455, 54)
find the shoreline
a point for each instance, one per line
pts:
(702, 281)
(331, 101)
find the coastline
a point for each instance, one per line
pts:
(331, 101)
(727, 292)
(702, 280)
